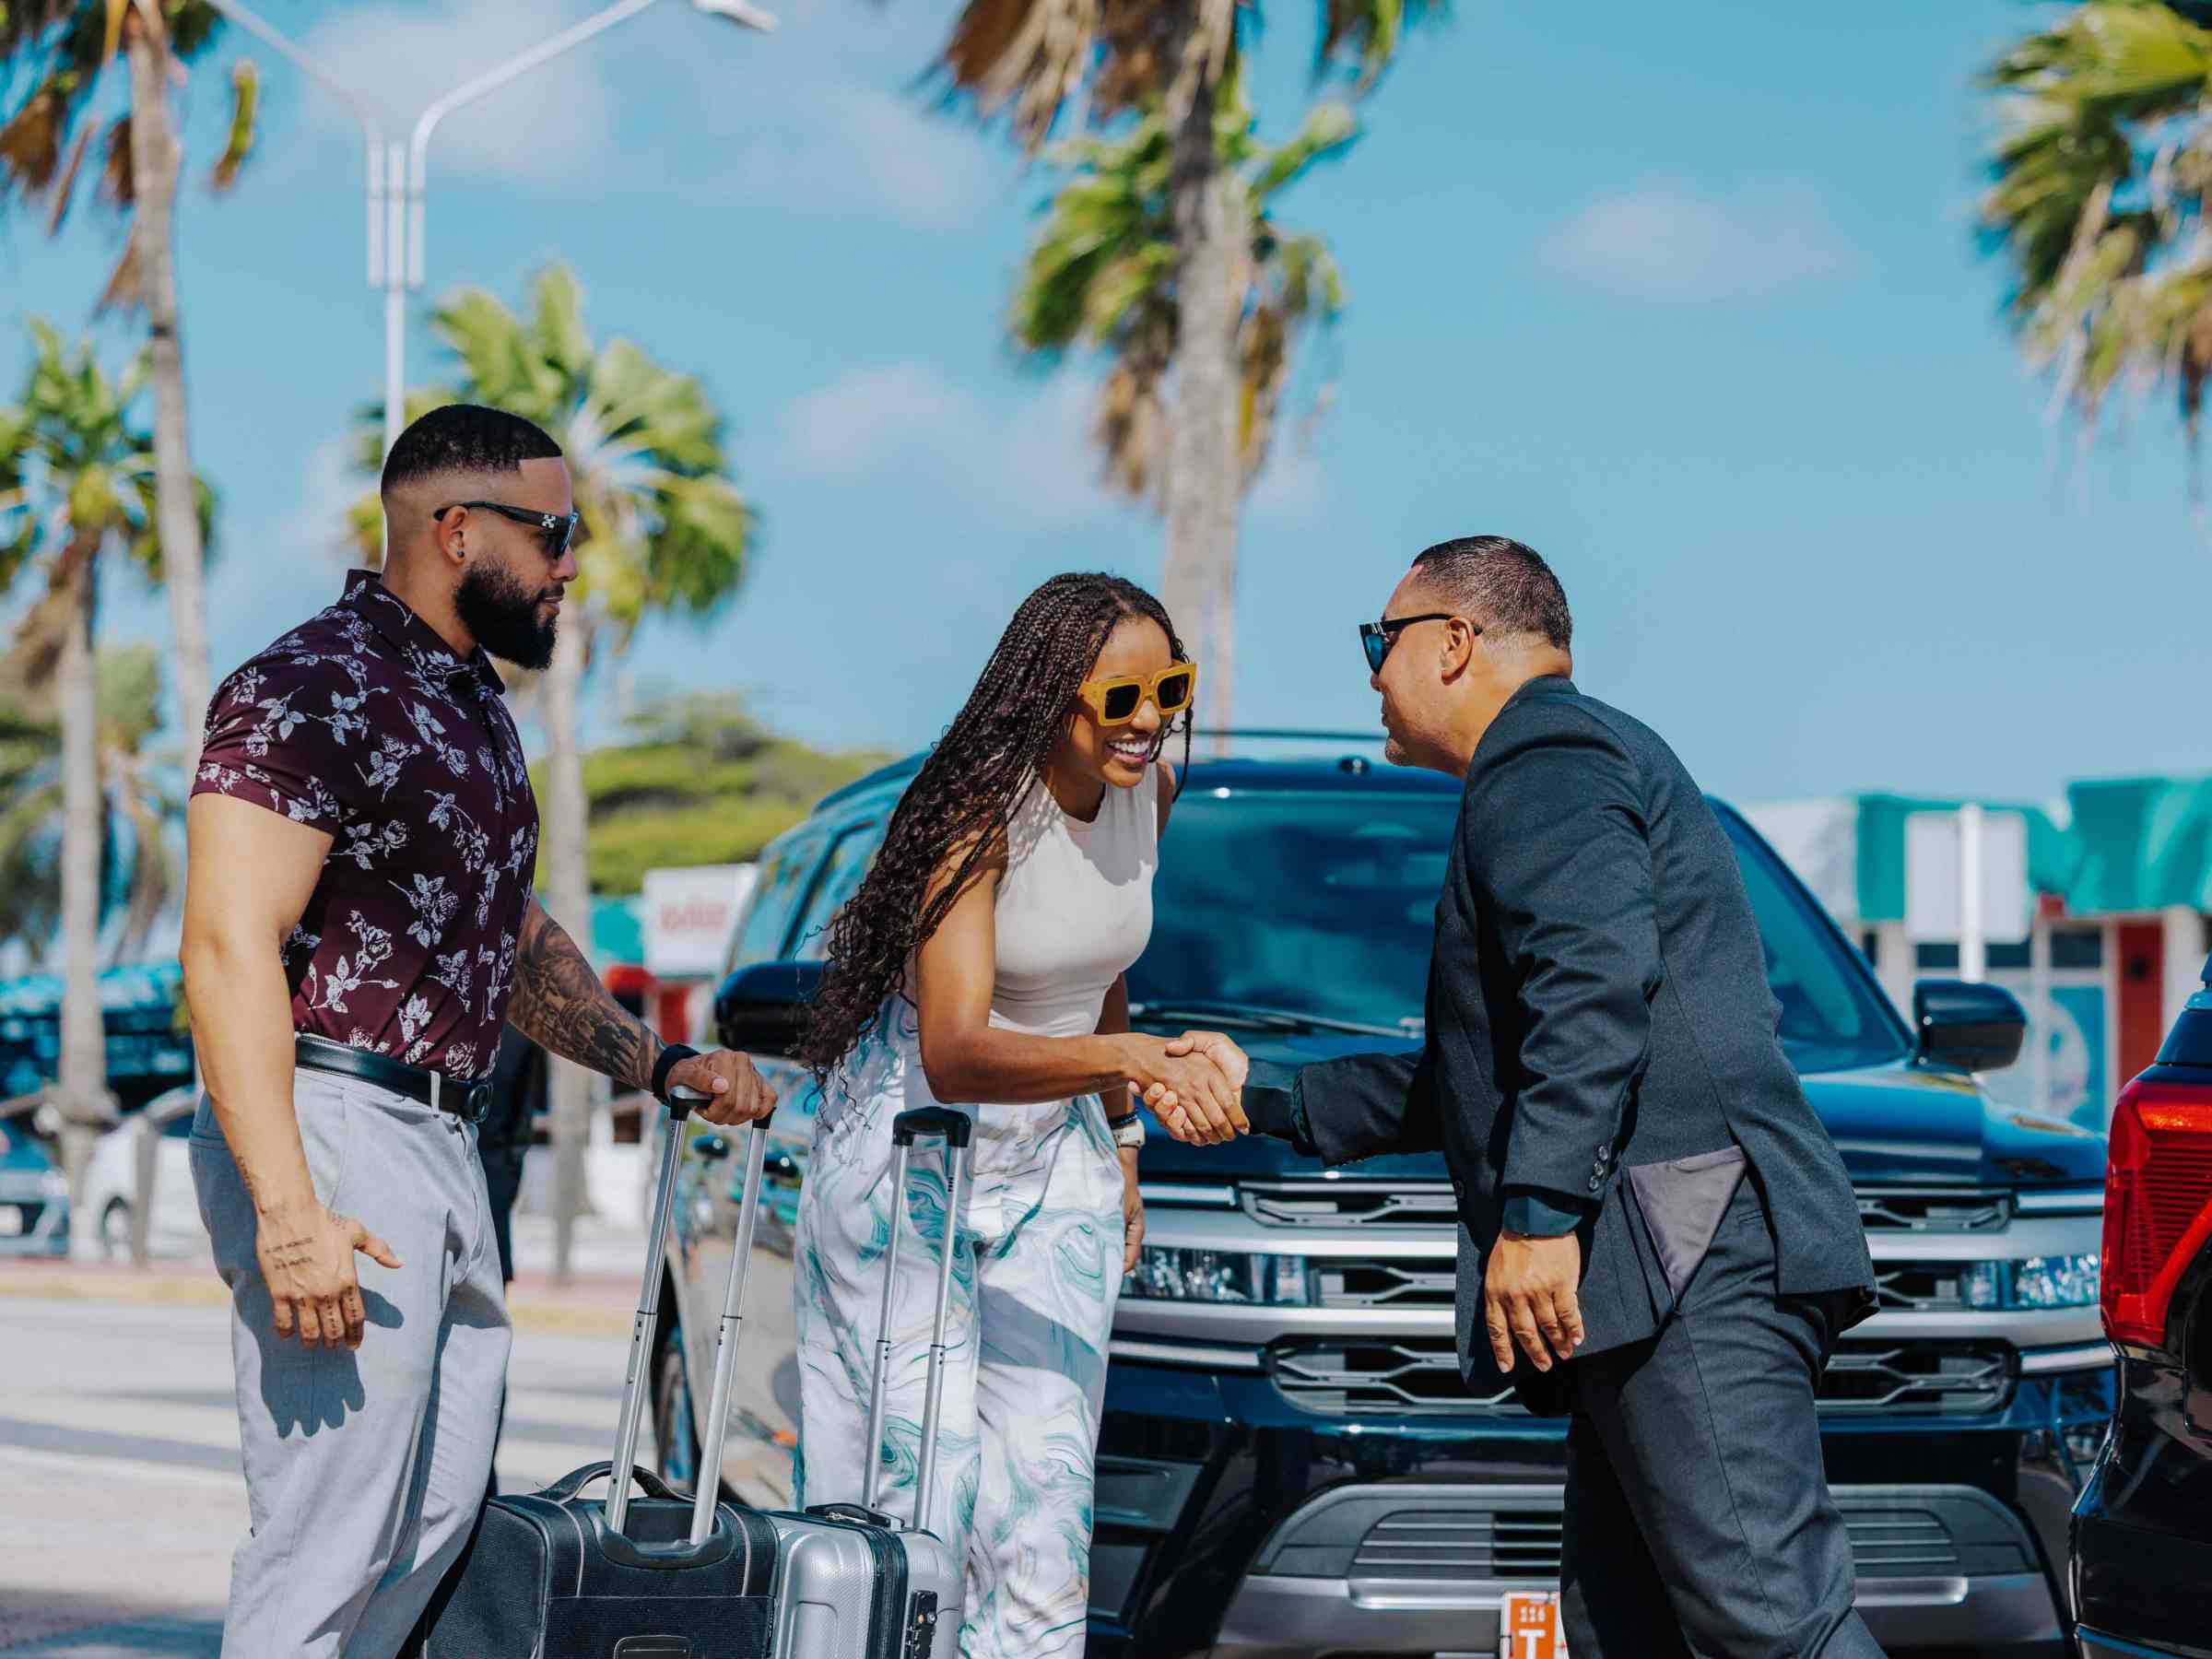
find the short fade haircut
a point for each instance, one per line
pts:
(1506, 587)
(464, 438)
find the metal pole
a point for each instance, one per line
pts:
(395, 304)
(1973, 951)
(2043, 1014)
(418, 150)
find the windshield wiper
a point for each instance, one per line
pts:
(1248, 1018)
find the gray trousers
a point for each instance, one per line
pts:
(1697, 1517)
(364, 1467)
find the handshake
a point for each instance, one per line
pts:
(1193, 1084)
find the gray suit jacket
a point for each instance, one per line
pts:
(1600, 1033)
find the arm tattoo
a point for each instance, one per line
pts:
(560, 1005)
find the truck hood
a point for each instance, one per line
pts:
(1896, 1123)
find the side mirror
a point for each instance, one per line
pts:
(1967, 1026)
(763, 1009)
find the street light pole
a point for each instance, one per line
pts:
(397, 171)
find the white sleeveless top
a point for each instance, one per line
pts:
(1074, 911)
(1075, 908)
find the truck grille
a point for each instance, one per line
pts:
(1446, 1545)
(1349, 1202)
(1462, 1544)
(1932, 1209)
(1419, 1377)
(1921, 1286)
(1900, 1287)
(1948, 1379)
(1431, 1204)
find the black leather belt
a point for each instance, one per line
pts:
(468, 1101)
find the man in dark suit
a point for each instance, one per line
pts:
(1650, 1212)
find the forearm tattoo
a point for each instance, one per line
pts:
(560, 1006)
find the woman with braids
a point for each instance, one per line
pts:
(981, 965)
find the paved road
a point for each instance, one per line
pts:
(119, 1496)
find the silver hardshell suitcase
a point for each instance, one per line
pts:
(852, 1582)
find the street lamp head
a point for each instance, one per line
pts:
(739, 12)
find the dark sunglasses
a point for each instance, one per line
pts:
(555, 529)
(1377, 638)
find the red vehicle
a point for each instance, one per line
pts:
(2143, 1527)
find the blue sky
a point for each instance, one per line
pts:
(1685, 296)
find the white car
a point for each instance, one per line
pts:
(111, 1181)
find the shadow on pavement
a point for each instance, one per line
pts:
(56, 1625)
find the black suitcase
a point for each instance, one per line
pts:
(555, 1575)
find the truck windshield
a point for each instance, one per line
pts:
(1326, 904)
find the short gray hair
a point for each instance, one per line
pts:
(1504, 587)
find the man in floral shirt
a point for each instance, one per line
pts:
(359, 926)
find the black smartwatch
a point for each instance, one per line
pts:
(672, 1055)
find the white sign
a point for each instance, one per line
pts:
(1934, 882)
(689, 916)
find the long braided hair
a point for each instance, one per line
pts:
(965, 794)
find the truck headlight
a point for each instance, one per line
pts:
(1166, 1273)
(2059, 1281)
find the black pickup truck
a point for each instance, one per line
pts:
(1288, 1464)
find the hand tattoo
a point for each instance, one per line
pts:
(560, 1005)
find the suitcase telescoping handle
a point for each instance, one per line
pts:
(680, 1101)
(709, 1492)
(953, 1128)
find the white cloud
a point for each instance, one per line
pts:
(316, 524)
(1669, 241)
(905, 419)
(555, 124)
(1291, 484)
(860, 147)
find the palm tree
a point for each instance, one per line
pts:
(139, 870)
(58, 50)
(2097, 200)
(665, 530)
(142, 803)
(81, 486)
(1031, 60)
(1100, 274)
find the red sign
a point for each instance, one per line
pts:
(1528, 1626)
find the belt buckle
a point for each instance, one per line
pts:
(479, 1102)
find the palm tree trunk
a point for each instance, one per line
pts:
(156, 157)
(85, 1103)
(568, 885)
(1204, 478)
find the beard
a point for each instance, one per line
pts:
(502, 614)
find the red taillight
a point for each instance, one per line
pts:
(2157, 1204)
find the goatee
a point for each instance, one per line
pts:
(502, 614)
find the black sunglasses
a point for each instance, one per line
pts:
(556, 529)
(1377, 638)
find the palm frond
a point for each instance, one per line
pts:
(1363, 36)
(238, 142)
(1102, 269)
(2099, 178)
(664, 526)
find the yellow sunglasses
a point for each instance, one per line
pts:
(1115, 701)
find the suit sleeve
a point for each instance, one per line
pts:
(1557, 854)
(1343, 1109)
